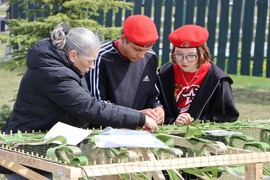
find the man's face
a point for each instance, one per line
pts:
(133, 51)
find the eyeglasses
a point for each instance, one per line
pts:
(189, 58)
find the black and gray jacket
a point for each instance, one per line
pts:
(214, 100)
(53, 90)
(122, 82)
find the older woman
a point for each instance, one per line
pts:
(192, 86)
(54, 89)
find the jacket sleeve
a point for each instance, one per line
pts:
(222, 104)
(68, 93)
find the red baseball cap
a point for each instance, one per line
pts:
(189, 36)
(141, 30)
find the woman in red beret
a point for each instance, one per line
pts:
(192, 86)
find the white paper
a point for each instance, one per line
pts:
(222, 132)
(113, 138)
(73, 134)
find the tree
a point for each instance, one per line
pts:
(78, 13)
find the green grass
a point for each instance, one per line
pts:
(3, 11)
(9, 84)
(251, 82)
(252, 94)
(2, 50)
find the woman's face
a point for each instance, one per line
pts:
(186, 58)
(83, 62)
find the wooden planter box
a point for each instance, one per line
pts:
(16, 161)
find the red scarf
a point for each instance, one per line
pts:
(185, 93)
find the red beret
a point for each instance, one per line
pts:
(189, 36)
(140, 30)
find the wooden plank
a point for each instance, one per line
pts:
(39, 163)
(21, 170)
(179, 163)
(70, 172)
(254, 171)
(149, 156)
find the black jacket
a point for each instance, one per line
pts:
(122, 82)
(214, 100)
(53, 90)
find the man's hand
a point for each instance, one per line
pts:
(160, 115)
(157, 114)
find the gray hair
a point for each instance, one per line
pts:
(79, 39)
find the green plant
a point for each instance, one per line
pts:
(24, 32)
(5, 112)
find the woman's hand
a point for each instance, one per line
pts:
(150, 124)
(184, 119)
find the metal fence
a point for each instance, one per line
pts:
(238, 40)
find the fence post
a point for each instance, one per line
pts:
(247, 35)
(211, 25)
(201, 9)
(234, 36)
(118, 18)
(158, 20)
(2, 25)
(260, 38)
(179, 15)
(190, 4)
(138, 7)
(268, 53)
(223, 33)
(148, 8)
(166, 31)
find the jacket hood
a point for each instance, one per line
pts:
(44, 54)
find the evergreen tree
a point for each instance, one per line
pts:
(25, 32)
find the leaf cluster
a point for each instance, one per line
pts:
(44, 15)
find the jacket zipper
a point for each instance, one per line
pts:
(162, 91)
(209, 97)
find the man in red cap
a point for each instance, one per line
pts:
(125, 69)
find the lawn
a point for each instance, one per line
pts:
(252, 94)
